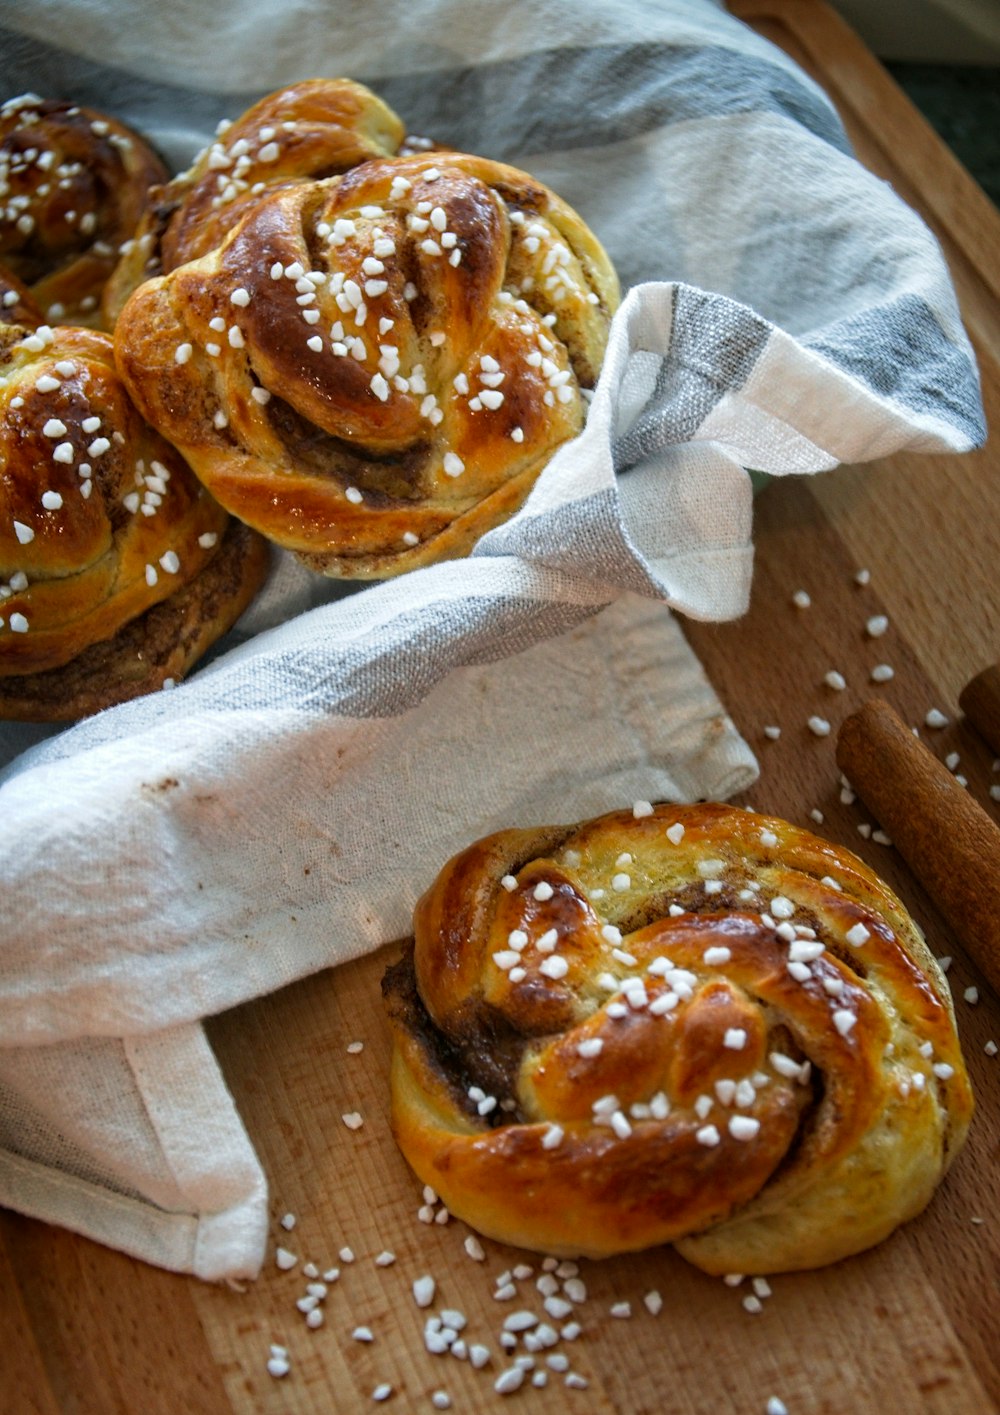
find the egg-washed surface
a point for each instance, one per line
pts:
(152, 651)
(374, 368)
(73, 186)
(100, 521)
(309, 129)
(695, 1025)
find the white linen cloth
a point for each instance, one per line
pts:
(281, 811)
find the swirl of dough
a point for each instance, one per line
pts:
(697, 1025)
(311, 129)
(373, 369)
(75, 184)
(100, 521)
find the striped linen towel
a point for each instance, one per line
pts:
(784, 312)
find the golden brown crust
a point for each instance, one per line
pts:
(418, 333)
(157, 648)
(311, 129)
(17, 304)
(100, 519)
(731, 1038)
(75, 185)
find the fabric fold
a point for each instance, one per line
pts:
(92, 1137)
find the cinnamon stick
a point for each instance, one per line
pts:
(980, 701)
(949, 842)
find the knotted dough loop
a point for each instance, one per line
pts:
(75, 185)
(100, 522)
(373, 369)
(697, 1025)
(310, 129)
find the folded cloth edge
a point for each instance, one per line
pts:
(223, 1235)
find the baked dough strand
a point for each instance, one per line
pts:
(75, 185)
(310, 129)
(101, 521)
(373, 369)
(696, 1025)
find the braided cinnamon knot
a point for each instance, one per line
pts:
(117, 568)
(311, 129)
(696, 1025)
(373, 369)
(74, 185)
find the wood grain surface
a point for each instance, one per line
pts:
(910, 1326)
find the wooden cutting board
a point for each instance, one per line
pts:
(910, 1326)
